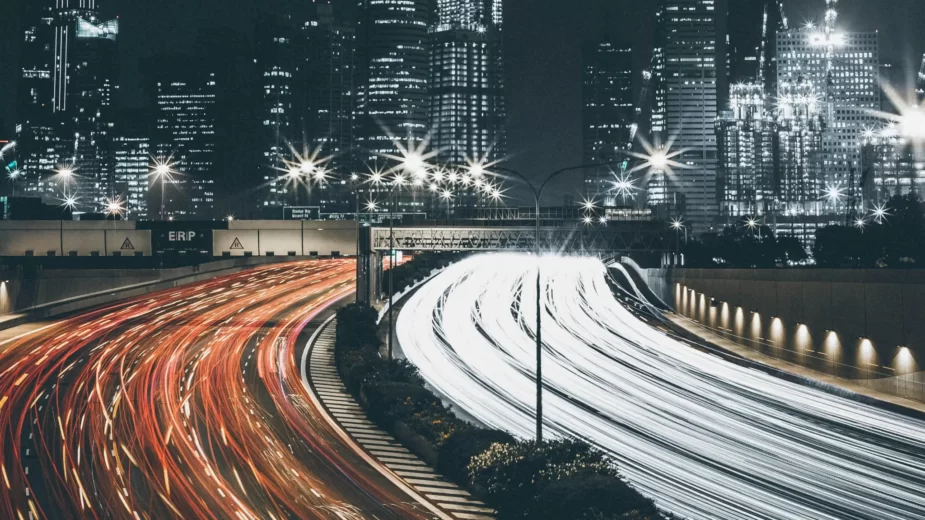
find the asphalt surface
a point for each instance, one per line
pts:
(183, 404)
(704, 437)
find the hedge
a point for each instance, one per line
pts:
(557, 480)
(419, 268)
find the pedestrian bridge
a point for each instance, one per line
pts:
(614, 238)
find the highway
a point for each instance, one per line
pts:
(184, 404)
(704, 437)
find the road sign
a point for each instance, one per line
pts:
(183, 240)
(301, 213)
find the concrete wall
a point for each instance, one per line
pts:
(861, 324)
(256, 238)
(63, 290)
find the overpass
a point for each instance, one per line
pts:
(616, 238)
(135, 245)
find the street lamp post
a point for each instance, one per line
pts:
(537, 196)
(162, 170)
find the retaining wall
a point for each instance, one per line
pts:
(861, 324)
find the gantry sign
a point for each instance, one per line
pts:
(617, 237)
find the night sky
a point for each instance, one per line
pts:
(542, 45)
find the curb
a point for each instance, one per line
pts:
(442, 497)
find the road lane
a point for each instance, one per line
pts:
(183, 404)
(704, 437)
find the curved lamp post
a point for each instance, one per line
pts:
(537, 196)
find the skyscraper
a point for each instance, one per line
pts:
(607, 112)
(800, 129)
(745, 142)
(393, 73)
(36, 129)
(843, 72)
(93, 72)
(686, 107)
(186, 97)
(278, 52)
(467, 109)
(328, 77)
(132, 168)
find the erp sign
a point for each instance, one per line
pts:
(186, 240)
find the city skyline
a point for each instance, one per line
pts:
(539, 36)
(380, 117)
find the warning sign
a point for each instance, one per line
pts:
(127, 244)
(236, 244)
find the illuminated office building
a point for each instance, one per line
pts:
(186, 97)
(800, 132)
(686, 108)
(132, 167)
(890, 166)
(278, 52)
(393, 97)
(328, 74)
(745, 143)
(607, 113)
(393, 73)
(93, 68)
(842, 70)
(467, 110)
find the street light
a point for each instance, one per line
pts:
(537, 196)
(114, 207)
(677, 224)
(880, 213)
(752, 223)
(162, 170)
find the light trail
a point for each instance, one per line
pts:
(704, 437)
(184, 404)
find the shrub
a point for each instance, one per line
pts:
(590, 496)
(515, 477)
(356, 328)
(457, 452)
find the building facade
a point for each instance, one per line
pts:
(467, 108)
(607, 113)
(93, 72)
(842, 70)
(890, 165)
(278, 52)
(798, 182)
(132, 175)
(185, 136)
(686, 108)
(393, 74)
(329, 73)
(746, 144)
(36, 131)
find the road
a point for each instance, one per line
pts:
(183, 404)
(702, 436)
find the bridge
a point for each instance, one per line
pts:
(615, 238)
(128, 244)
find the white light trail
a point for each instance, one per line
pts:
(704, 437)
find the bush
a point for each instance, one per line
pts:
(589, 496)
(517, 477)
(561, 480)
(356, 328)
(420, 267)
(457, 452)
(413, 405)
